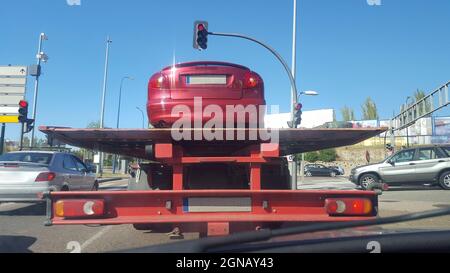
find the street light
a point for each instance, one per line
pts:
(102, 114)
(120, 97)
(41, 57)
(309, 93)
(143, 117)
(118, 116)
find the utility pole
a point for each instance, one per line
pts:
(2, 139)
(102, 116)
(294, 185)
(41, 56)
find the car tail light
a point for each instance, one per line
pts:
(79, 208)
(251, 80)
(45, 177)
(159, 81)
(348, 206)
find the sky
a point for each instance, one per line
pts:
(347, 50)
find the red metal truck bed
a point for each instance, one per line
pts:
(131, 142)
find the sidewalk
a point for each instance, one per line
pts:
(325, 183)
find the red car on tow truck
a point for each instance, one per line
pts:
(217, 83)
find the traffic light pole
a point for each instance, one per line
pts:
(21, 138)
(2, 139)
(294, 92)
(278, 56)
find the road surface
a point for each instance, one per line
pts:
(22, 225)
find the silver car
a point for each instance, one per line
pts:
(430, 164)
(23, 175)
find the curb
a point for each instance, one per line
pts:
(103, 180)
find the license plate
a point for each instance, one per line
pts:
(206, 79)
(217, 204)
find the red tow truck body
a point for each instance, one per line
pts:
(175, 198)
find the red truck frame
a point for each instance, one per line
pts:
(211, 212)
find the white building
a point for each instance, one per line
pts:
(310, 119)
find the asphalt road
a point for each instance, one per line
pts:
(22, 228)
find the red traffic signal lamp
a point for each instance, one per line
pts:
(201, 35)
(23, 111)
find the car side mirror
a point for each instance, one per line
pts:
(391, 162)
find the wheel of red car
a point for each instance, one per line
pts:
(366, 180)
(444, 180)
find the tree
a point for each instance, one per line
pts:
(347, 114)
(369, 110)
(328, 155)
(311, 157)
(419, 95)
(94, 125)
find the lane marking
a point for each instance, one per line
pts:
(96, 236)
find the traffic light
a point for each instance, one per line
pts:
(29, 126)
(201, 35)
(298, 114)
(23, 111)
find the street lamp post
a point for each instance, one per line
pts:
(143, 117)
(41, 57)
(102, 115)
(118, 114)
(294, 98)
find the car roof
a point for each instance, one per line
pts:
(37, 152)
(206, 63)
(428, 146)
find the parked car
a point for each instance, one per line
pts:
(428, 164)
(92, 168)
(320, 170)
(217, 83)
(340, 170)
(23, 175)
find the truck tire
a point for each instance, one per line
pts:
(444, 180)
(367, 180)
(150, 152)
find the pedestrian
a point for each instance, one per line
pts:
(367, 157)
(389, 150)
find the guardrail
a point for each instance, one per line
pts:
(431, 103)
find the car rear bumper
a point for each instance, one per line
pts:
(22, 194)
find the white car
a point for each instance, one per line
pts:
(23, 175)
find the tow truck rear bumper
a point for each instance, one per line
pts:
(202, 207)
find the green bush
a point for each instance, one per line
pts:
(328, 155)
(311, 157)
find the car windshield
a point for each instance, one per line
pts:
(38, 158)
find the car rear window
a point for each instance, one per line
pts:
(39, 158)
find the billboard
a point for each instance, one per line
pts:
(365, 123)
(442, 126)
